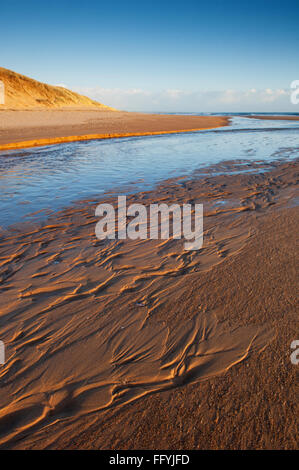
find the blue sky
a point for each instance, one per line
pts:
(160, 55)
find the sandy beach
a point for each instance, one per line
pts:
(149, 170)
(30, 128)
(140, 344)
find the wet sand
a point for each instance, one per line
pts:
(31, 128)
(143, 345)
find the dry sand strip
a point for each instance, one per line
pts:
(23, 129)
(275, 118)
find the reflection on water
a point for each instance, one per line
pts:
(45, 179)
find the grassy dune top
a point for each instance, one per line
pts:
(22, 92)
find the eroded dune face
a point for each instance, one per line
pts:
(21, 92)
(89, 325)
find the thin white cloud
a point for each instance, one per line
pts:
(174, 100)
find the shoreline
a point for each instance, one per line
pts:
(29, 128)
(25, 129)
(80, 138)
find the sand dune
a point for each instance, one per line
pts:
(22, 92)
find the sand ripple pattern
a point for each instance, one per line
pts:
(91, 325)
